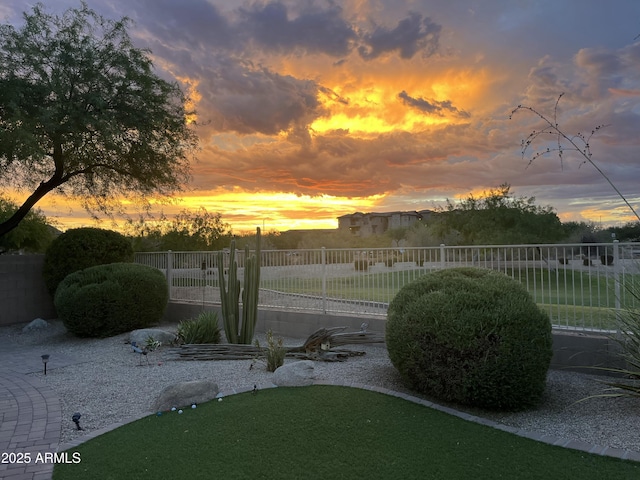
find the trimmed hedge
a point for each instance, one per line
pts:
(81, 248)
(470, 336)
(107, 300)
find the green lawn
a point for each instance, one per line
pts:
(325, 432)
(572, 298)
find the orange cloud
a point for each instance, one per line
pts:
(276, 211)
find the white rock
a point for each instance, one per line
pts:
(140, 336)
(37, 324)
(296, 374)
(185, 393)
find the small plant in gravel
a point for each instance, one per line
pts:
(151, 344)
(275, 352)
(202, 329)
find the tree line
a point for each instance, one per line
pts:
(496, 217)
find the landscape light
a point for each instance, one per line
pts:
(45, 359)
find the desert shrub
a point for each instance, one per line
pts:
(627, 377)
(361, 265)
(274, 353)
(106, 300)
(470, 336)
(202, 329)
(606, 259)
(81, 248)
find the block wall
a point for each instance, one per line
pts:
(23, 294)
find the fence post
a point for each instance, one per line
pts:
(442, 251)
(170, 273)
(324, 279)
(616, 279)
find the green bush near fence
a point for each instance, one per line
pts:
(107, 300)
(81, 248)
(470, 336)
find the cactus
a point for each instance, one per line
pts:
(230, 295)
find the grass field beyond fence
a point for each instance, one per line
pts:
(570, 282)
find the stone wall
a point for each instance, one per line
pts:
(23, 294)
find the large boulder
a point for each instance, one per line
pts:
(184, 394)
(141, 335)
(296, 374)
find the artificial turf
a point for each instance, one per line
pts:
(325, 432)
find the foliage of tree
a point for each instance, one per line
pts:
(629, 232)
(498, 217)
(80, 248)
(34, 234)
(187, 231)
(298, 239)
(431, 233)
(581, 232)
(83, 114)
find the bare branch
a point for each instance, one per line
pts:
(579, 143)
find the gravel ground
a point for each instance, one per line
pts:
(111, 384)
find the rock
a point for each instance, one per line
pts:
(37, 324)
(296, 374)
(185, 394)
(140, 336)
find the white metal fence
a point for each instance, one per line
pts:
(581, 286)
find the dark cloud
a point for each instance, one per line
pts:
(273, 27)
(192, 24)
(240, 97)
(412, 35)
(602, 70)
(431, 107)
(591, 78)
(216, 49)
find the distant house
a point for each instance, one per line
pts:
(366, 224)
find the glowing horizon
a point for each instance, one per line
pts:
(279, 212)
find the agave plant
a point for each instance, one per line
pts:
(202, 329)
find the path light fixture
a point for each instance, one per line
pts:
(76, 419)
(45, 359)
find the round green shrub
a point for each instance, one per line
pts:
(81, 248)
(107, 300)
(470, 336)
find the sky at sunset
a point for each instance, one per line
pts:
(312, 109)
